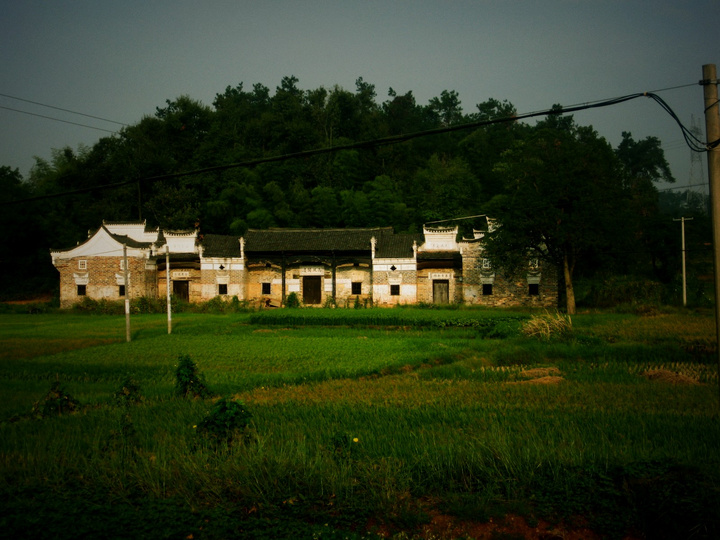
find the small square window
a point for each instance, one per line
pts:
(485, 264)
(81, 290)
(266, 288)
(394, 290)
(82, 264)
(533, 289)
(356, 287)
(487, 289)
(122, 264)
(121, 291)
(222, 288)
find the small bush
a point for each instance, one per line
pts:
(226, 422)
(292, 301)
(188, 381)
(55, 403)
(548, 326)
(129, 393)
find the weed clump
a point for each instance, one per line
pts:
(226, 422)
(188, 381)
(548, 326)
(128, 393)
(55, 403)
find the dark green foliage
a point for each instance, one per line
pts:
(616, 290)
(662, 499)
(226, 422)
(188, 381)
(55, 403)
(292, 301)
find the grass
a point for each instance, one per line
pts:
(359, 422)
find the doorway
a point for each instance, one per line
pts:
(441, 291)
(312, 289)
(181, 289)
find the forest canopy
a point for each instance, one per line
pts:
(404, 185)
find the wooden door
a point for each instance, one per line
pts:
(312, 289)
(181, 289)
(441, 291)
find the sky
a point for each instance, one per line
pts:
(119, 60)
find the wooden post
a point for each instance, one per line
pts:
(127, 294)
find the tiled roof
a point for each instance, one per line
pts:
(397, 246)
(314, 239)
(129, 242)
(218, 245)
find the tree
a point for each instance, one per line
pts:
(562, 199)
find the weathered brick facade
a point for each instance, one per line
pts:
(322, 267)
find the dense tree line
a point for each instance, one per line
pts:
(610, 193)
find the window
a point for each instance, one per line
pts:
(122, 290)
(266, 288)
(122, 264)
(485, 264)
(356, 287)
(82, 264)
(222, 288)
(534, 289)
(394, 290)
(533, 264)
(81, 290)
(487, 289)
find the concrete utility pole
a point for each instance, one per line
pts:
(167, 283)
(712, 130)
(682, 221)
(127, 294)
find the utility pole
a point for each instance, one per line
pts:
(709, 83)
(682, 221)
(167, 283)
(127, 294)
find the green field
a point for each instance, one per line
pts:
(364, 422)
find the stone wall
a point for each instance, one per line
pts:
(102, 278)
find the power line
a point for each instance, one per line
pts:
(61, 109)
(56, 119)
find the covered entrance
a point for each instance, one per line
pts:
(441, 291)
(312, 289)
(181, 289)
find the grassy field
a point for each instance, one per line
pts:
(396, 422)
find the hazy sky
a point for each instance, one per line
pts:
(121, 59)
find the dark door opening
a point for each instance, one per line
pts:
(441, 291)
(181, 289)
(312, 289)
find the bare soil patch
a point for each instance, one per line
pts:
(665, 375)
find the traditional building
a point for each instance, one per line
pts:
(321, 266)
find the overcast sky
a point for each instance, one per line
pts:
(121, 59)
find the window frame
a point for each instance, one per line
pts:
(487, 289)
(82, 264)
(356, 288)
(395, 289)
(81, 290)
(266, 288)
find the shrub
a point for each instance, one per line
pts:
(292, 301)
(227, 421)
(188, 381)
(129, 393)
(55, 403)
(548, 326)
